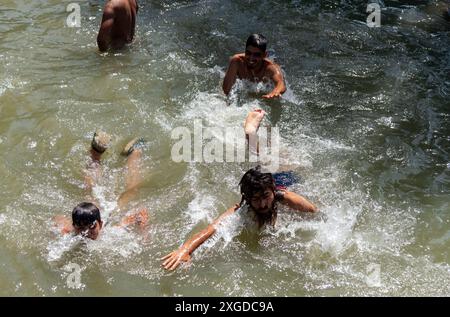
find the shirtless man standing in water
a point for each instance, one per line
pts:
(118, 24)
(253, 65)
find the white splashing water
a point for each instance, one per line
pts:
(2, 219)
(116, 240)
(57, 248)
(335, 234)
(108, 206)
(113, 241)
(5, 85)
(228, 229)
(201, 208)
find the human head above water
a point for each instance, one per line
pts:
(86, 220)
(258, 191)
(255, 51)
(258, 41)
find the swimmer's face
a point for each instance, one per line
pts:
(91, 231)
(254, 56)
(262, 202)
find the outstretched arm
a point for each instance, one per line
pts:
(298, 202)
(104, 35)
(277, 78)
(183, 254)
(231, 75)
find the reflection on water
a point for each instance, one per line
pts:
(365, 123)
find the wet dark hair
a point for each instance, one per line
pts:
(255, 182)
(446, 14)
(258, 41)
(85, 214)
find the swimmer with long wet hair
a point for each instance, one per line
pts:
(86, 219)
(262, 196)
(261, 193)
(118, 24)
(254, 65)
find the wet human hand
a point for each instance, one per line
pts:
(272, 95)
(174, 259)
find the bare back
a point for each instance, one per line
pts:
(118, 24)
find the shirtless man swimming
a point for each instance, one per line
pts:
(118, 24)
(85, 219)
(261, 193)
(253, 65)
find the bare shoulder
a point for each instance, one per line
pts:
(237, 58)
(298, 202)
(109, 8)
(63, 224)
(61, 220)
(117, 5)
(272, 67)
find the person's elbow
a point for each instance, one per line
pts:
(306, 207)
(104, 35)
(280, 86)
(312, 208)
(226, 89)
(102, 44)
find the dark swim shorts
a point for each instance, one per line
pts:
(285, 179)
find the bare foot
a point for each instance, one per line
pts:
(253, 121)
(101, 141)
(133, 145)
